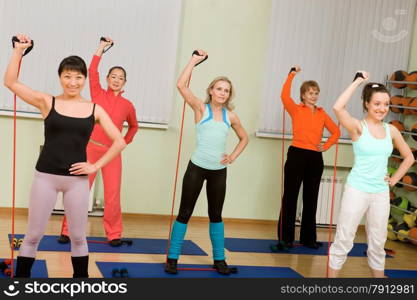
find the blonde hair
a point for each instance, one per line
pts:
(306, 86)
(229, 106)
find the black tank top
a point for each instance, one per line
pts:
(66, 141)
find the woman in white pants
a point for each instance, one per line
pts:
(367, 186)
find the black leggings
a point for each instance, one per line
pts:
(191, 188)
(304, 166)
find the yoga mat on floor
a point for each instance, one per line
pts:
(263, 246)
(401, 273)
(156, 270)
(99, 244)
(39, 269)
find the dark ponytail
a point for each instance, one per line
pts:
(370, 89)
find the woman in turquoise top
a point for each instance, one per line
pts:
(367, 186)
(213, 120)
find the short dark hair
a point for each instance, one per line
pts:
(370, 89)
(73, 63)
(117, 67)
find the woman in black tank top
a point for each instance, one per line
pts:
(62, 165)
(66, 140)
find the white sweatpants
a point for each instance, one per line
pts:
(355, 204)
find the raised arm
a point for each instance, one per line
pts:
(94, 76)
(405, 152)
(286, 99)
(182, 85)
(243, 140)
(32, 97)
(351, 124)
(116, 147)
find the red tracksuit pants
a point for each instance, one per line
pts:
(112, 175)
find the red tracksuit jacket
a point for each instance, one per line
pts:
(119, 109)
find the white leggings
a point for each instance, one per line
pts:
(45, 188)
(355, 204)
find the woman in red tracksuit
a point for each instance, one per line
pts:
(120, 110)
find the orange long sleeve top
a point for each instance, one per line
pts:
(307, 125)
(119, 108)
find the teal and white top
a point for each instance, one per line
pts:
(371, 161)
(211, 140)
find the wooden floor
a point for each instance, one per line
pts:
(150, 226)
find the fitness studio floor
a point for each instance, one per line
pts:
(150, 226)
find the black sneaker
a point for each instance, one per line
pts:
(63, 239)
(281, 246)
(116, 243)
(171, 266)
(222, 267)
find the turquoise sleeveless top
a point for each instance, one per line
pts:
(371, 161)
(211, 140)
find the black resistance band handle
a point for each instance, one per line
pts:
(357, 75)
(27, 50)
(196, 53)
(104, 40)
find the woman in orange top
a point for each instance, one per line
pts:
(304, 162)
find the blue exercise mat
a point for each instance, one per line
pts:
(156, 270)
(143, 246)
(401, 273)
(263, 246)
(39, 269)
